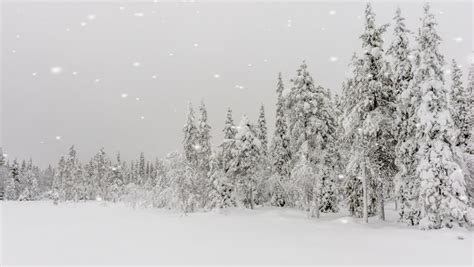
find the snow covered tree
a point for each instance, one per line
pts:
(101, 167)
(203, 140)
(190, 141)
(30, 189)
(262, 131)
(222, 195)
(280, 151)
(460, 109)
(367, 119)
(442, 194)
(307, 182)
(230, 132)
(246, 162)
(13, 186)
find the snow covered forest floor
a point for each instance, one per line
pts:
(40, 233)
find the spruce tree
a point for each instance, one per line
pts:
(246, 162)
(366, 121)
(190, 144)
(262, 131)
(230, 132)
(460, 109)
(203, 140)
(442, 194)
(280, 151)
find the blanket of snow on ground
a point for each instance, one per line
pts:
(39, 233)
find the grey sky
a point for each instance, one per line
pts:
(186, 45)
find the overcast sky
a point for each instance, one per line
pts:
(119, 75)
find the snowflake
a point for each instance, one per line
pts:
(41, 142)
(17, 36)
(195, 44)
(121, 8)
(136, 64)
(34, 74)
(250, 64)
(56, 70)
(239, 86)
(97, 80)
(138, 14)
(91, 17)
(217, 76)
(13, 51)
(137, 98)
(333, 59)
(154, 77)
(142, 117)
(83, 24)
(58, 137)
(458, 39)
(332, 12)
(68, 29)
(323, 28)
(170, 54)
(265, 60)
(74, 73)
(124, 95)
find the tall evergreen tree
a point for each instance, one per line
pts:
(246, 162)
(460, 109)
(230, 132)
(366, 120)
(442, 194)
(280, 150)
(405, 152)
(262, 131)
(190, 142)
(203, 140)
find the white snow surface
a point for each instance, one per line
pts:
(99, 233)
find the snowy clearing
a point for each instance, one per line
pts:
(39, 233)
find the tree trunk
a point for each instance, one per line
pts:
(364, 186)
(251, 197)
(316, 203)
(382, 202)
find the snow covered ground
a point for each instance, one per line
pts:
(39, 233)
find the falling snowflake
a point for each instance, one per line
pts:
(323, 28)
(17, 36)
(74, 73)
(142, 117)
(195, 44)
(137, 98)
(217, 76)
(13, 51)
(250, 64)
(91, 17)
(136, 64)
(239, 86)
(56, 70)
(332, 12)
(97, 80)
(83, 24)
(121, 8)
(68, 29)
(34, 74)
(41, 142)
(333, 59)
(124, 95)
(458, 39)
(58, 137)
(154, 77)
(138, 14)
(170, 54)
(265, 60)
